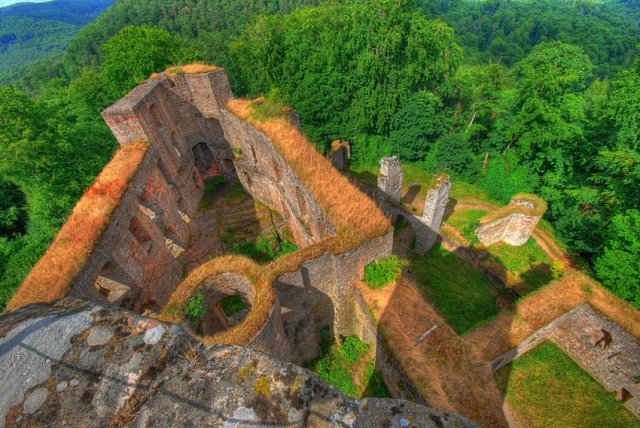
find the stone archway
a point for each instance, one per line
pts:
(204, 160)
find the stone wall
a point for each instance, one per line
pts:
(389, 197)
(515, 227)
(320, 294)
(134, 263)
(434, 206)
(269, 179)
(340, 154)
(75, 363)
(615, 366)
(399, 385)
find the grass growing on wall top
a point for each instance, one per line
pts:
(355, 216)
(51, 277)
(547, 389)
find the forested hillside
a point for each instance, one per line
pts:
(512, 96)
(505, 31)
(30, 31)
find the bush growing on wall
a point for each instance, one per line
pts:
(382, 272)
(195, 309)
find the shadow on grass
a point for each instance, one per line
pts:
(411, 194)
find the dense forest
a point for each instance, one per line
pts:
(29, 32)
(512, 96)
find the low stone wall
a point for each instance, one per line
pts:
(516, 225)
(615, 365)
(399, 385)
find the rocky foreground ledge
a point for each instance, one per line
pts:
(84, 364)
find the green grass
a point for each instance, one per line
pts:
(232, 305)
(464, 297)
(383, 271)
(547, 389)
(520, 259)
(262, 250)
(529, 260)
(466, 222)
(340, 362)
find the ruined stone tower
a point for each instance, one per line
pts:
(390, 181)
(434, 207)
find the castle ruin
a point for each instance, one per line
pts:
(514, 223)
(389, 198)
(183, 132)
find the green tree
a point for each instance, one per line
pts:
(362, 61)
(133, 54)
(416, 126)
(546, 127)
(619, 265)
(504, 177)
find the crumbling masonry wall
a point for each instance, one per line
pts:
(320, 294)
(517, 224)
(434, 207)
(389, 198)
(390, 181)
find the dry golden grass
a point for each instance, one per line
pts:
(336, 145)
(193, 68)
(547, 304)
(540, 207)
(355, 216)
(449, 373)
(52, 276)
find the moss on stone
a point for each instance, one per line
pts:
(262, 386)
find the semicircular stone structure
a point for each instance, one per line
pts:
(514, 223)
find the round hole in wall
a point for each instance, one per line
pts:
(224, 300)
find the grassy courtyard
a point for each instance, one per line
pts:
(461, 295)
(545, 388)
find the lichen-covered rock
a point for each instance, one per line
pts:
(84, 364)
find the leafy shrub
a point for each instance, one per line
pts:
(195, 309)
(264, 249)
(339, 362)
(382, 272)
(353, 349)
